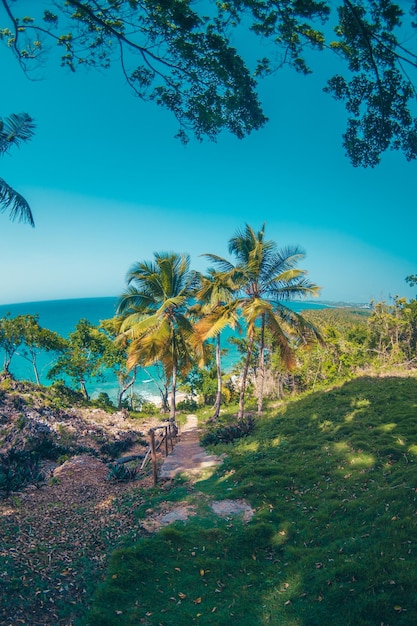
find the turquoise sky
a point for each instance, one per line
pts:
(109, 185)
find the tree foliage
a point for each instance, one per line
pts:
(36, 340)
(11, 337)
(266, 279)
(154, 315)
(182, 56)
(83, 357)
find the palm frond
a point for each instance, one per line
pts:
(17, 128)
(12, 201)
(223, 264)
(282, 339)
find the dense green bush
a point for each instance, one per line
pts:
(189, 404)
(122, 473)
(229, 433)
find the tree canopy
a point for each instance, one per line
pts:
(183, 57)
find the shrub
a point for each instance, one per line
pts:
(189, 404)
(103, 401)
(63, 397)
(18, 469)
(229, 433)
(121, 473)
(113, 449)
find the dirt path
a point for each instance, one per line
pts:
(188, 457)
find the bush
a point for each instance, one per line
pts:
(113, 449)
(189, 404)
(229, 433)
(122, 473)
(18, 469)
(63, 397)
(103, 401)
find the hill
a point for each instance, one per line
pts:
(331, 478)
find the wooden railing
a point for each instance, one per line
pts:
(159, 435)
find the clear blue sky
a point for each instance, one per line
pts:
(109, 185)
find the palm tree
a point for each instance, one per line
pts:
(154, 310)
(217, 307)
(267, 278)
(13, 131)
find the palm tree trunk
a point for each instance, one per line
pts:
(261, 371)
(218, 401)
(173, 407)
(244, 379)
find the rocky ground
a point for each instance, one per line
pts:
(56, 529)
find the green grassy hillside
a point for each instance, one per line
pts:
(333, 481)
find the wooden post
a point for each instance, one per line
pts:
(153, 453)
(171, 429)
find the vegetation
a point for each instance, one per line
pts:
(331, 479)
(13, 131)
(189, 60)
(170, 315)
(328, 470)
(154, 316)
(264, 279)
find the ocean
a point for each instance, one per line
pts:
(62, 316)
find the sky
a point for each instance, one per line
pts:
(109, 185)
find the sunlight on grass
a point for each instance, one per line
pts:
(226, 476)
(250, 446)
(340, 446)
(326, 426)
(413, 449)
(281, 536)
(361, 460)
(360, 404)
(280, 598)
(387, 428)
(276, 441)
(205, 473)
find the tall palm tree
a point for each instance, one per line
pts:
(218, 308)
(267, 278)
(13, 131)
(154, 311)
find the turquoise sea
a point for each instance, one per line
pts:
(62, 316)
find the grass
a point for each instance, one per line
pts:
(333, 481)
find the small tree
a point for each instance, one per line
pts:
(115, 357)
(37, 339)
(11, 337)
(83, 357)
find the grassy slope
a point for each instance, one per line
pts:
(333, 479)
